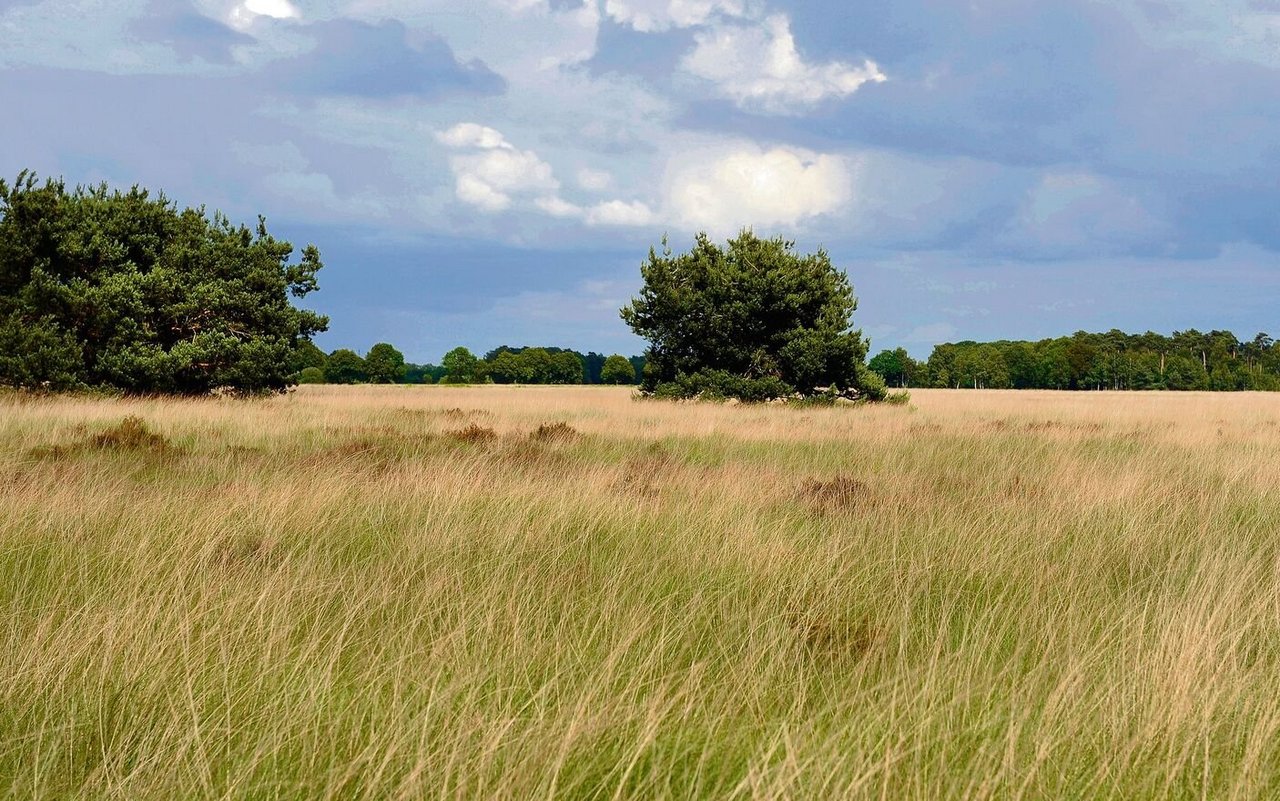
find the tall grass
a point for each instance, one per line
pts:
(350, 593)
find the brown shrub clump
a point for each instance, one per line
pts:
(554, 432)
(841, 492)
(132, 434)
(474, 434)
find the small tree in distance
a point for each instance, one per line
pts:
(383, 364)
(460, 366)
(617, 370)
(753, 320)
(344, 367)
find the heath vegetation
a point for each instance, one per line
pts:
(399, 592)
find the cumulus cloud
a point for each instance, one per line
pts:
(496, 170)
(660, 15)
(748, 186)
(494, 173)
(620, 212)
(470, 134)
(759, 67)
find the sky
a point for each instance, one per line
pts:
(487, 172)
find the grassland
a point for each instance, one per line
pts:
(440, 593)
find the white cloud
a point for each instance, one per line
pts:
(470, 134)
(557, 206)
(611, 212)
(759, 67)
(246, 12)
(619, 212)
(494, 173)
(661, 15)
(497, 170)
(726, 191)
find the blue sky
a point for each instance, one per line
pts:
(494, 171)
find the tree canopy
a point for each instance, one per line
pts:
(461, 366)
(754, 320)
(1187, 360)
(106, 288)
(383, 364)
(617, 370)
(344, 366)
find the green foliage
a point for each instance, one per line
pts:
(311, 375)
(898, 369)
(566, 368)
(344, 367)
(723, 385)
(38, 354)
(617, 370)
(124, 290)
(1187, 360)
(461, 366)
(753, 316)
(383, 364)
(506, 365)
(422, 373)
(305, 355)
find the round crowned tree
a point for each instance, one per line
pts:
(753, 320)
(617, 370)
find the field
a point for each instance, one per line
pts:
(564, 592)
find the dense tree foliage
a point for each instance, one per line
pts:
(508, 365)
(898, 369)
(617, 370)
(460, 366)
(383, 364)
(344, 367)
(1187, 360)
(753, 320)
(122, 289)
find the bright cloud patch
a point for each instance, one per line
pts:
(491, 176)
(759, 67)
(495, 173)
(752, 187)
(661, 15)
(246, 12)
(619, 212)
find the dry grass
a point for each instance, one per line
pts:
(344, 594)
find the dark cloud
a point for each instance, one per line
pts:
(191, 34)
(1050, 87)
(357, 59)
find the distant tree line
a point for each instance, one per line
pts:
(1187, 360)
(384, 364)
